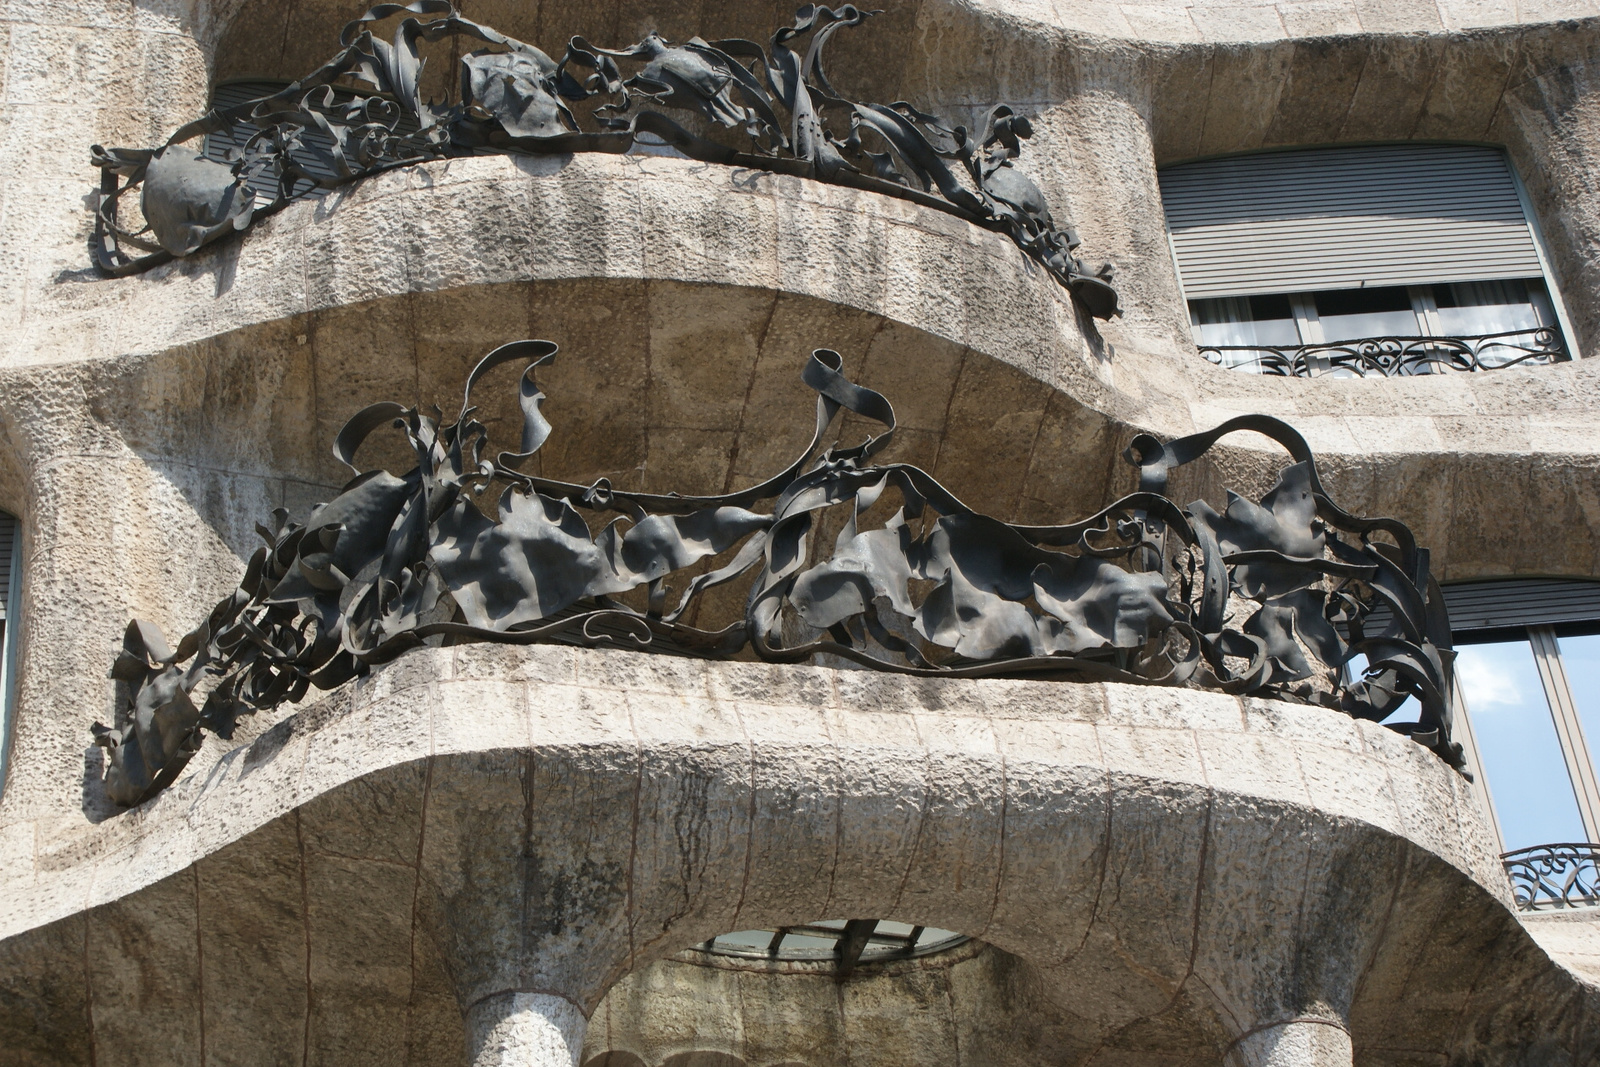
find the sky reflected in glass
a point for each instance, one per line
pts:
(1581, 657)
(1517, 743)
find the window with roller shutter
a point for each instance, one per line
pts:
(1378, 259)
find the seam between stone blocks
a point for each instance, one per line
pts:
(1005, 807)
(1105, 842)
(200, 959)
(749, 390)
(633, 837)
(830, 716)
(416, 897)
(88, 990)
(922, 815)
(750, 831)
(1507, 86)
(1298, 1020)
(305, 922)
(532, 991)
(1383, 927)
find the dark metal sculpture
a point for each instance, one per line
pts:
(363, 112)
(852, 942)
(1272, 598)
(1555, 876)
(1392, 357)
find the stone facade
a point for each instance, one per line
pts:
(505, 856)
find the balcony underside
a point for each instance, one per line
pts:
(1171, 867)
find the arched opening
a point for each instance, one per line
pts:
(830, 992)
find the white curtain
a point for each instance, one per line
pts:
(1224, 321)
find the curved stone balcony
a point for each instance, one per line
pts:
(1174, 871)
(448, 230)
(1159, 871)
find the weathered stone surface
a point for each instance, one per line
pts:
(524, 1030)
(339, 885)
(970, 1003)
(573, 830)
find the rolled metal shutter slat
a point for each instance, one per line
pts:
(1337, 218)
(8, 545)
(1510, 602)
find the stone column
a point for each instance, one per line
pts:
(525, 1030)
(1295, 1043)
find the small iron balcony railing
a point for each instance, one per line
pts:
(1392, 357)
(1547, 877)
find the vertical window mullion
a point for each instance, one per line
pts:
(1427, 311)
(1461, 730)
(1305, 317)
(1574, 747)
(1310, 327)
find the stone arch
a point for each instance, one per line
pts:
(932, 1011)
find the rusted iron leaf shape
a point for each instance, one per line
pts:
(1272, 598)
(363, 112)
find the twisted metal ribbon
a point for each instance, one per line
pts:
(1272, 597)
(363, 112)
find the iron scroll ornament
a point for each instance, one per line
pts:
(363, 112)
(1271, 598)
(1396, 357)
(1546, 877)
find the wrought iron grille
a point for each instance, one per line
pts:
(1546, 877)
(766, 107)
(1271, 597)
(844, 942)
(1394, 357)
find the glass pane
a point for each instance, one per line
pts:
(745, 941)
(1351, 314)
(803, 945)
(1517, 743)
(1266, 321)
(1581, 657)
(933, 936)
(1468, 309)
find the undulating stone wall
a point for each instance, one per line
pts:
(1173, 864)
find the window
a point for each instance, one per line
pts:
(10, 589)
(1527, 679)
(1385, 259)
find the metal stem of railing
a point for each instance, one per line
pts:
(1547, 877)
(1391, 357)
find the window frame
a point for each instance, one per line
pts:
(1576, 751)
(1558, 307)
(1424, 308)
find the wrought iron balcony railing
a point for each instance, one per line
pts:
(1392, 357)
(1546, 877)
